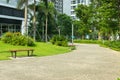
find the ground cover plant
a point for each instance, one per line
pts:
(41, 49)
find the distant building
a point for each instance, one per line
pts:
(59, 5)
(74, 4)
(68, 6)
(11, 19)
(62, 6)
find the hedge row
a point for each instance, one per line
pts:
(87, 41)
(111, 44)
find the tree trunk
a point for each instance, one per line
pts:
(43, 33)
(26, 17)
(99, 36)
(34, 22)
(83, 37)
(119, 14)
(46, 29)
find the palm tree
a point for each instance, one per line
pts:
(33, 8)
(34, 20)
(46, 8)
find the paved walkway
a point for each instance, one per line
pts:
(88, 62)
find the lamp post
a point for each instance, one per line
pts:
(72, 34)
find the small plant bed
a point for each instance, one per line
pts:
(72, 47)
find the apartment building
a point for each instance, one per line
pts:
(74, 4)
(59, 5)
(68, 6)
(11, 19)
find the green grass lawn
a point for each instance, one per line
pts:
(41, 49)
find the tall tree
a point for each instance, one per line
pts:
(83, 13)
(33, 8)
(34, 20)
(47, 9)
(65, 24)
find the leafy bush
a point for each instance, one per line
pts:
(17, 39)
(7, 37)
(59, 40)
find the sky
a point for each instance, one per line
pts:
(12, 3)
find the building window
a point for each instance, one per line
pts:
(82, 1)
(73, 2)
(78, 1)
(9, 28)
(73, 7)
(72, 12)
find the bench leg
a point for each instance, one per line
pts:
(15, 54)
(32, 53)
(11, 54)
(28, 53)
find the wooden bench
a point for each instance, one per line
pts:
(14, 52)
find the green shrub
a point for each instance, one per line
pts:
(7, 37)
(17, 39)
(30, 42)
(59, 40)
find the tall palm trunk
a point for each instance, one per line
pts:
(99, 36)
(26, 18)
(46, 29)
(34, 21)
(119, 15)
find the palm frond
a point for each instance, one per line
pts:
(21, 3)
(46, 3)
